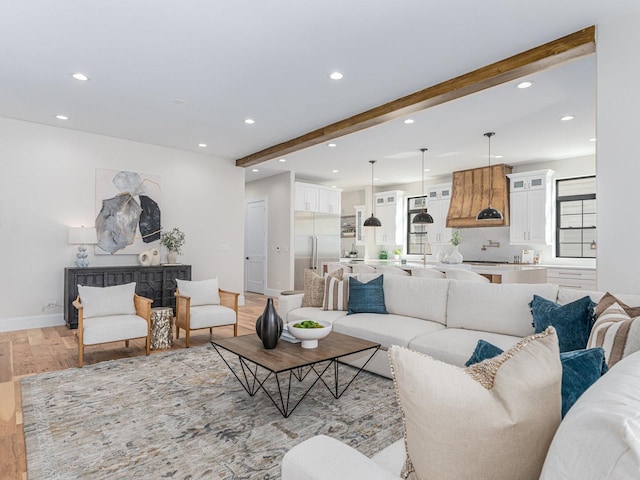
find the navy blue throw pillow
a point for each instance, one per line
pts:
(572, 321)
(366, 297)
(580, 369)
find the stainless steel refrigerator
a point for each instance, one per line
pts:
(316, 241)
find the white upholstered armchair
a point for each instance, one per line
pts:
(202, 305)
(111, 314)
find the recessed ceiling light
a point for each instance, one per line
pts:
(336, 76)
(62, 117)
(249, 121)
(331, 145)
(255, 170)
(202, 145)
(376, 179)
(427, 169)
(334, 171)
(333, 186)
(282, 160)
(499, 156)
(80, 76)
(409, 121)
(592, 139)
(566, 118)
(524, 84)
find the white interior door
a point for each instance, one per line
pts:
(255, 246)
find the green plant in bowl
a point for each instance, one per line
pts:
(308, 324)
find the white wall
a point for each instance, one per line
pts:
(618, 104)
(47, 184)
(278, 191)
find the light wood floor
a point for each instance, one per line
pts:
(27, 352)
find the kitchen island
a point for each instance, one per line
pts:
(495, 272)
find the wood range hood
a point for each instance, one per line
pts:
(470, 194)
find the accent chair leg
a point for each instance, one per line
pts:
(148, 345)
(177, 332)
(235, 329)
(80, 354)
(126, 343)
(187, 335)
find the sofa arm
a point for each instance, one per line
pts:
(286, 303)
(325, 458)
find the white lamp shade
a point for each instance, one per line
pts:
(82, 236)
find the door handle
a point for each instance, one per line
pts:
(246, 258)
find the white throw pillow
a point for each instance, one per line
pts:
(203, 292)
(494, 420)
(103, 301)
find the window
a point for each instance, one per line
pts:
(576, 217)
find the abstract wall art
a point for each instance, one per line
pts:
(128, 206)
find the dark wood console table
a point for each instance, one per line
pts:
(157, 283)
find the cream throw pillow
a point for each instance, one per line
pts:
(203, 292)
(494, 420)
(104, 301)
(314, 287)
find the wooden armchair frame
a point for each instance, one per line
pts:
(143, 309)
(183, 313)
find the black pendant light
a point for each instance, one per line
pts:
(423, 217)
(372, 221)
(490, 213)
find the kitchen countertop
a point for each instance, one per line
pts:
(487, 269)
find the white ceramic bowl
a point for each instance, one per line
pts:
(309, 336)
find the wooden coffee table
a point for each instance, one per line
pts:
(256, 365)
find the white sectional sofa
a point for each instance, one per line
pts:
(439, 317)
(444, 319)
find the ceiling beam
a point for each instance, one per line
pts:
(550, 54)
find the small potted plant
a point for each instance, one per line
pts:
(456, 256)
(173, 240)
(397, 253)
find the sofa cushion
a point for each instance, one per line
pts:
(424, 298)
(107, 301)
(568, 295)
(314, 287)
(599, 437)
(580, 369)
(455, 345)
(113, 328)
(204, 316)
(493, 420)
(572, 321)
(313, 313)
(366, 297)
(203, 292)
(336, 294)
(617, 333)
(384, 329)
(493, 307)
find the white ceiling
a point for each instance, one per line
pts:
(178, 73)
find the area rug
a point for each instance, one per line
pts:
(183, 415)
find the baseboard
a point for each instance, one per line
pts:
(37, 321)
(270, 292)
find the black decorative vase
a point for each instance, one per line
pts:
(269, 326)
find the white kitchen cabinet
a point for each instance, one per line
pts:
(316, 198)
(390, 211)
(438, 206)
(329, 200)
(531, 220)
(360, 217)
(578, 278)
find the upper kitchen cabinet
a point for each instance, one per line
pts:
(531, 208)
(390, 210)
(316, 198)
(438, 206)
(470, 194)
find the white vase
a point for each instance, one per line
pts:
(172, 256)
(455, 256)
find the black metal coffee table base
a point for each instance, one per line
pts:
(254, 375)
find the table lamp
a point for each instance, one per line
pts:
(82, 236)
